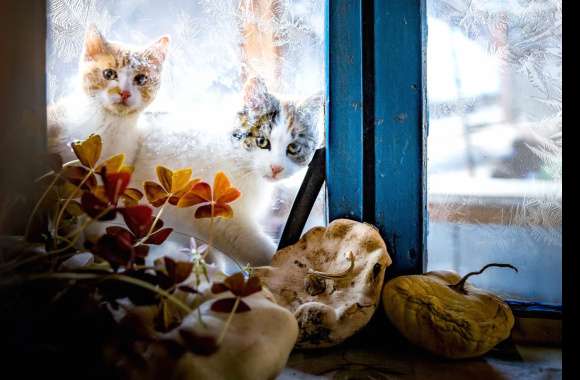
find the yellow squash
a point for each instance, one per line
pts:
(444, 314)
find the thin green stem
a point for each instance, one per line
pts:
(119, 277)
(68, 200)
(228, 321)
(150, 232)
(37, 206)
(56, 251)
(210, 238)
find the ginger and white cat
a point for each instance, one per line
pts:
(272, 140)
(118, 83)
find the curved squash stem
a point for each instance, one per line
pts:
(228, 321)
(335, 276)
(460, 286)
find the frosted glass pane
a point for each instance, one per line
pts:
(494, 84)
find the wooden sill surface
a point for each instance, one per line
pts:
(385, 354)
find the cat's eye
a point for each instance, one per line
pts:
(293, 148)
(109, 74)
(263, 142)
(140, 79)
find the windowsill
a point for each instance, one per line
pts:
(380, 355)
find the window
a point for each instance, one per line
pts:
(481, 185)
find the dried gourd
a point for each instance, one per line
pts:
(442, 313)
(330, 280)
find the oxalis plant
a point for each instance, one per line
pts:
(114, 266)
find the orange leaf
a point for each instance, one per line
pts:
(89, 150)
(156, 195)
(174, 200)
(223, 211)
(221, 184)
(199, 193)
(128, 168)
(219, 210)
(180, 179)
(100, 193)
(229, 195)
(131, 196)
(112, 164)
(165, 175)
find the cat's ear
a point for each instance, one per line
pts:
(309, 110)
(95, 43)
(256, 94)
(157, 51)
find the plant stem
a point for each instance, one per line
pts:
(460, 286)
(228, 321)
(150, 232)
(119, 277)
(57, 251)
(210, 239)
(68, 200)
(37, 205)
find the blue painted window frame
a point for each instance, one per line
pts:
(375, 54)
(377, 127)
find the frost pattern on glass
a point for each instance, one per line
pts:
(495, 141)
(205, 45)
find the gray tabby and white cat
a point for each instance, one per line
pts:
(118, 82)
(272, 140)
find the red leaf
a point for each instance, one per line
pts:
(235, 283)
(226, 305)
(140, 252)
(94, 207)
(159, 236)
(113, 250)
(219, 287)
(138, 219)
(121, 232)
(178, 271)
(203, 212)
(76, 175)
(253, 285)
(116, 184)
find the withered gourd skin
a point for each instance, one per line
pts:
(329, 311)
(445, 321)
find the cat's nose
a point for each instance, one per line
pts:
(276, 169)
(125, 95)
